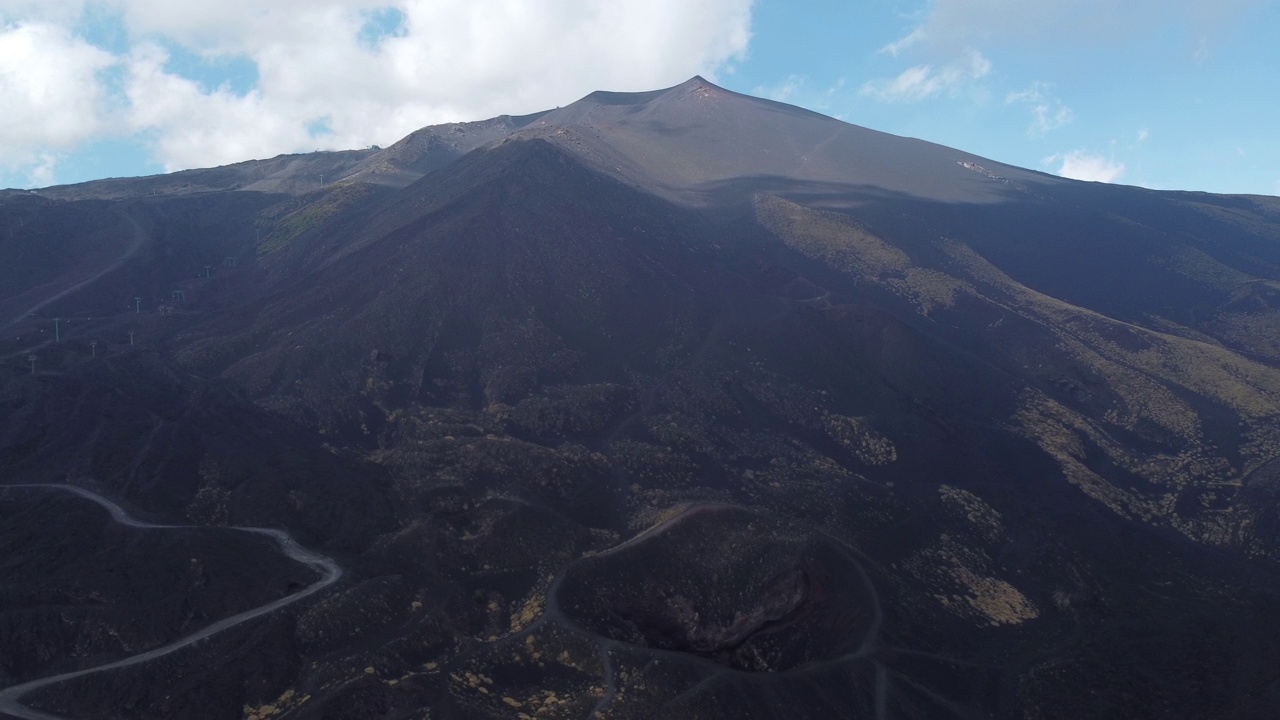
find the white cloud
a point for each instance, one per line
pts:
(925, 81)
(1143, 135)
(1081, 165)
(50, 92)
(784, 91)
(41, 173)
(448, 60)
(904, 43)
(197, 128)
(1047, 111)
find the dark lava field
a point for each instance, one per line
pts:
(680, 404)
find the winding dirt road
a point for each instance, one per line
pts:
(330, 572)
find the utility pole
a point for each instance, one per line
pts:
(93, 346)
(137, 305)
(230, 261)
(57, 330)
(131, 334)
(32, 359)
(206, 271)
(179, 296)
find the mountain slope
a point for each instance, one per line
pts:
(686, 403)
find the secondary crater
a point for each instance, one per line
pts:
(745, 590)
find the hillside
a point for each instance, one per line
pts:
(668, 404)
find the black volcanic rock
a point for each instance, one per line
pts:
(106, 592)
(680, 403)
(733, 587)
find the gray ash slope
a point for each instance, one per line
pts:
(680, 403)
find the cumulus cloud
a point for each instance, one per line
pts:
(1047, 111)
(336, 73)
(1143, 135)
(1081, 165)
(193, 127)
(50, 92)
(41, 172)
(925, 81)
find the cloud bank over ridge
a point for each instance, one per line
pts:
(211, 83)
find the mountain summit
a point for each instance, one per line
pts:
(671, 404)
(696, 141)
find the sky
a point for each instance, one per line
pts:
(1166, 94)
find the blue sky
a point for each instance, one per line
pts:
(1176, 95)
(1170, 94)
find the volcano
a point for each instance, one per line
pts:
(671, 404)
